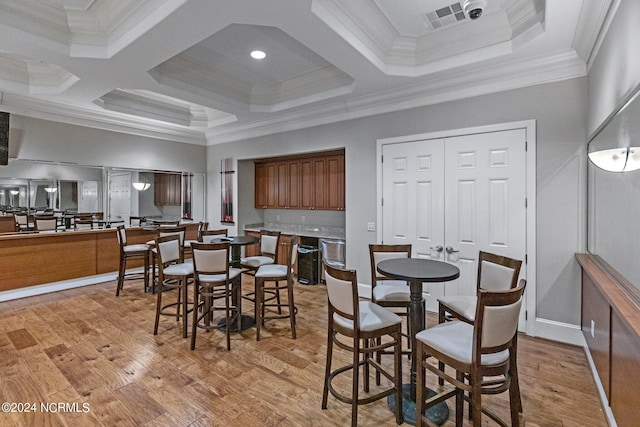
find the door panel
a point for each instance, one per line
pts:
(413, 200)
(485, 201)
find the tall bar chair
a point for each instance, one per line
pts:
(173, 273)
(164, 231)
(45, 223)
(215, 280)
(360, 324)
(387, 292)
(131, 252)
(483, 355)
(269, 244)
(275, 274)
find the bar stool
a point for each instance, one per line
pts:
(483, 355)
(361, 323)
(164, 231)
(214, 280)
(127, 252)
(173, 273)
(276, 273)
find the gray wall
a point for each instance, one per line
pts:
(615, 71)
(36, 139)
(560, 111)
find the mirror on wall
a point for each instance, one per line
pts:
(614, 196)
(37, 185)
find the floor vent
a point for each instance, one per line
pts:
(445, 16)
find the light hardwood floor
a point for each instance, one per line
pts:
(86, 346)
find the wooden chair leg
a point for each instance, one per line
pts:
(355, 383)
(398, 375)
(292, 309)
(327, 369)
(259, 309)
(158, 307)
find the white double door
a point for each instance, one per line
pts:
(453, 197)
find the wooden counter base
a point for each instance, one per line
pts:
(36, 259)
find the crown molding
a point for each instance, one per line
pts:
(98, 119)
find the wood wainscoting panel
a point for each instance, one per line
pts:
(34, 259)
(596, 309)
(625, 373)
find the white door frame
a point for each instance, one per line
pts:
(530, 185)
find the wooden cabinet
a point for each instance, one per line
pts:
(304, 182)
(167, 189)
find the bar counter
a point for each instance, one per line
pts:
(29, 259)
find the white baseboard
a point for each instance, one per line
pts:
(46, 288)
(558, 331)
(603, 396)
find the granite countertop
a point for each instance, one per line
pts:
(300, 230)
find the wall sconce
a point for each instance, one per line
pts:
(141, 186)
(623, 159)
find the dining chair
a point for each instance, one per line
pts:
(483, 355)
(23, 222)
(495, 272)
(136, 221)
(269, 244)
(45, 223)
(131, 252)
(164, 231)
(215, 280)
(173, 273)
(202, 226)
(207, 236)
(83, 224)
(355, 326)
(276, 273)
(388, 292)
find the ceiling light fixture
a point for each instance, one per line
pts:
(50, 189)
(258, 54)
(622, 159)
(14, 192)
(141, 186)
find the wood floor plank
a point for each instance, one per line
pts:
(87, 346)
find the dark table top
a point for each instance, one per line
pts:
(425, 270)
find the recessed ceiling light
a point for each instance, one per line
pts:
(258, 54)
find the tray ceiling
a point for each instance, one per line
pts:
(181, 70)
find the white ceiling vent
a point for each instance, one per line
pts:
(445, 16)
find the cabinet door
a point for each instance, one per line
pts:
(319, 184)
(260, 190)
(307, 184)
(272, 185)
(283, 249)
(294, 184)
(282, 186)
(335, 183)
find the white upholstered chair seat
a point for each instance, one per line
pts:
(256, 261)
(465, 305)
(272, 270)
(136, 248)
(182, 269)
(372, 317)
(208, 278)
(391, 290)
(455, 339)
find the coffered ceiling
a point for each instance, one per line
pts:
(182, 70)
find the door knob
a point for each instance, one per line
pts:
(437, 248)
(450, 250)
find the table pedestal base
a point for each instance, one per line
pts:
(246, 322)
(437, 414)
